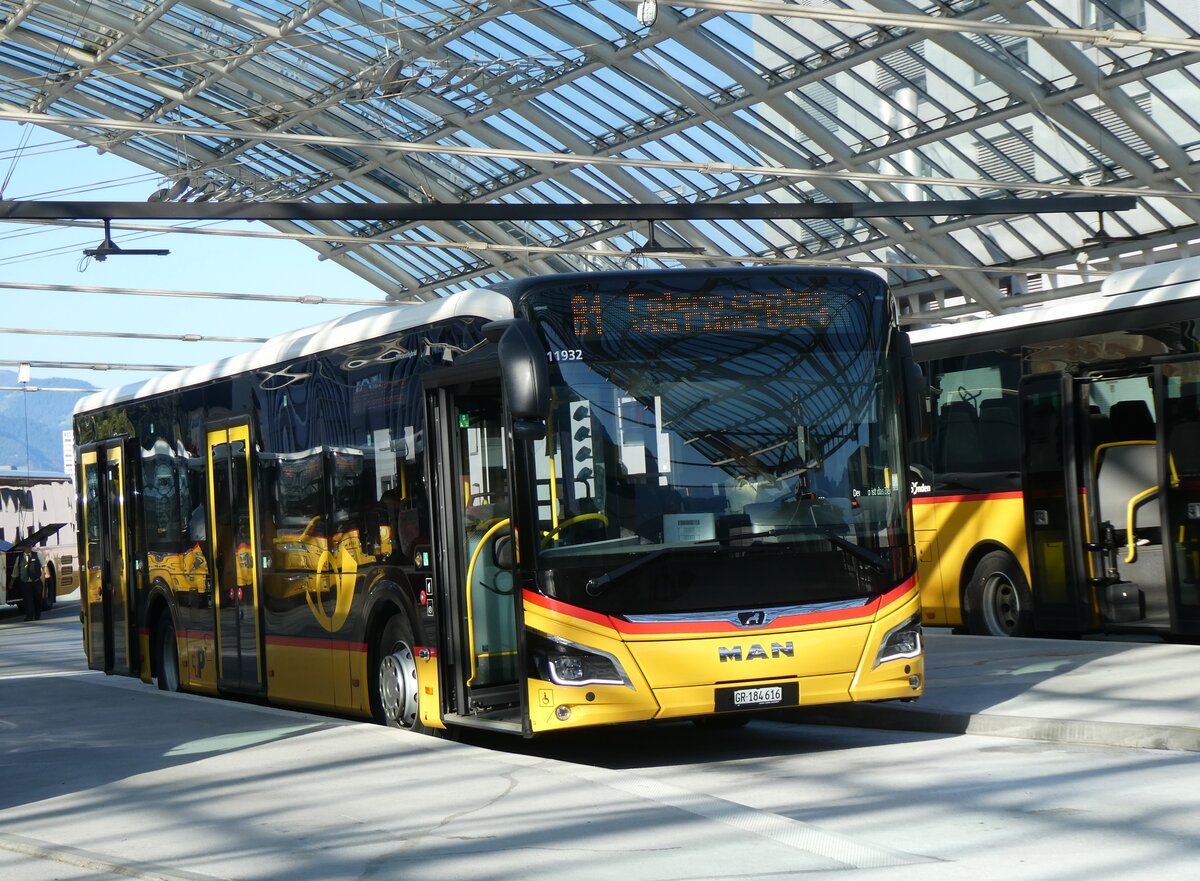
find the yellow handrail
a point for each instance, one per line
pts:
(470, 572)
(1129, 516)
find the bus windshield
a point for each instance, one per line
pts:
(720, 448)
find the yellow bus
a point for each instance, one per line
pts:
(1059, 491)
(557, 502)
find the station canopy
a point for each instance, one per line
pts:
(527, 101)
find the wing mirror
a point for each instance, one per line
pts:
(524, 374)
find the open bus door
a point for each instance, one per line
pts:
(476, 411)
(1111, 468)
(1053, 515)
(1177, 396)
(107, 595)
(469, 458)
(232, 530)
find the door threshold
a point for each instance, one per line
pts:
(505, 725)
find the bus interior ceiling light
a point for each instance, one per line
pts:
(108, 248)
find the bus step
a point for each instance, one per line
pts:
(493, 697)
(508, 726)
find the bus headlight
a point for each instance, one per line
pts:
(567, 663)
(902, 641)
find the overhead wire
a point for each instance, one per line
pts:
(552, 158)
(306, 299)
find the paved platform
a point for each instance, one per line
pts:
(106, 778)
(1102, 691)
(1097, 691)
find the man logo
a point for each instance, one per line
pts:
(756, 652)
(752, 619)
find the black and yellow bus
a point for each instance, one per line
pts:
(562, 501)
(1059, 492)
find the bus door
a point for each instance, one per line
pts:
(1125, 464)
(1053, 517)
(106, 593)
(231, 514)
(1178, 397)
(469, 470)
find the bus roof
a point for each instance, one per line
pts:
(13, 477)
(1177, 281)
(359, 326)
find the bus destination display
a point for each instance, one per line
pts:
(650, 312)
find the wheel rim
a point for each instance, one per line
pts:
(1001, 605)
(398, 687)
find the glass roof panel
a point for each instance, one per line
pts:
(689, 109)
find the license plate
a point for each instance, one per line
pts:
(785, 694)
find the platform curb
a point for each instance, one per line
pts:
(1073, 731)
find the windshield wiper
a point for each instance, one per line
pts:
(596, 586)
(865, 554)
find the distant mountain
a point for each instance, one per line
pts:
(49, 415)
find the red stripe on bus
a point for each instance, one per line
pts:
(973, 497)
(308, 642)
(562, 608)
(716, 626)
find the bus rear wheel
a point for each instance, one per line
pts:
(998, 601)
(394, 692)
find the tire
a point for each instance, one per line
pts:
(998, 601)
(166, 655)
(49, 594)
(394, 694)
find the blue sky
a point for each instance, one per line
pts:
(52, 168)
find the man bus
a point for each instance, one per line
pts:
(1059, 492)
(564, 501)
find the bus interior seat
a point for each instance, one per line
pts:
(1044, 445)
(958, 438)
(1099, 427)
(1131, 420)
(1184, 445)
(999, 435)
(1122, 473)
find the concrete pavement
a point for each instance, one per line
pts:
(1090, 691)
(104, 778)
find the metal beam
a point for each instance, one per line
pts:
(80, 365)
(427, 213)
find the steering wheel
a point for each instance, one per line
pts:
(579, 518)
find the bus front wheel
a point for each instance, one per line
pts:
(166, 655)
(998, 601)
(394, 692)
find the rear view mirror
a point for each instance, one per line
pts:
(916, 393)
(524, 374)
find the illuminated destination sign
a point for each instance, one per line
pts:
(653, 312)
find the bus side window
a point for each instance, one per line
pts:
(999, 435)
(958, 438)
